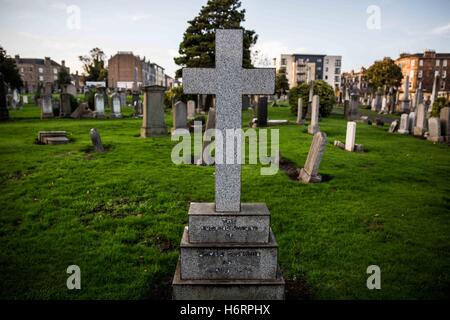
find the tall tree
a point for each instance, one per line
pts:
(9, 70)
(384, 74)
(198, 46)
(63, 77)
(281, 82)
(94, 65)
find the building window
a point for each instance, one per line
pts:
(327, 61)
(419, 74)
(319, 60)
(55, 71)
(444, 63)
(41, 70)
(442, 85)
(421, 63)
(21, 69)
(337, 63)
(55, 78)
(283, 62)
(326, 77)
(411, 76)
(41, 78)
(326, 69)
(413, 63)
(444, 74)
(438, 62)
(337, 70)
(336, 79)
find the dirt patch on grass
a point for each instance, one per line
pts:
(297, 289)
(373, 224)
(162, 243)
(290, 168)
(90, 151)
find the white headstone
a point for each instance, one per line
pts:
(116, 106)
(350, 137)
(25, 99)
(99, 105)
(404, 124)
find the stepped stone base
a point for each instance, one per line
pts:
(227, 289)
(153, 132)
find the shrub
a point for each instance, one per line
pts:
(321, 88)
(176, 93)
(439, 104)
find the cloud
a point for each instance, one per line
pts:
(441, 30)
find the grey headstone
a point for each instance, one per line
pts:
(300, 111)
(404, 124)
(4, 112)
(405, 101)
(96, 140)
(153, 124)
(262, 112)
(434, 129)
(421, 124)
(179, 114)
(46, 107)
(313, 128)
(310, 172)
(116, 106)
(411, 122)
(66, 109)
(191, 109)
(99, 99)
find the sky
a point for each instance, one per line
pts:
(360, 31)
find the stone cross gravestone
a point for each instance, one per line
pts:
(228, 251)
(179, 116)
(300, 111)
(445, 123)
(153, 124)
(96, 140)
(405, 102)
(350, 136)
(313, 127)
(99, 100)
(421, 124)
(434, 92)
(191, 109)
(4, 112)
(404, 124)
(116, 106)
(310, 172)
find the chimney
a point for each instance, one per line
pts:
(47, 61)
(63, 63)
(17, 58)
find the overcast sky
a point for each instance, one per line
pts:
(154, 28)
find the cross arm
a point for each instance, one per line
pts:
(199, 81)
(258, 81)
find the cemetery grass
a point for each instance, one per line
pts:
(119, 216)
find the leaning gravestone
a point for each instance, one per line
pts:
(116, 109)
(434, 129)
(350, 136)
(421, 124)
(153, 124)
(393, 127)
(261, 111)
(179, 116)
(404, 124)
(445, 123)
(310, 172)
(228, 251)
(99, 105)
(191, 109)
(4, 112)
(313, 127)
(96, 140)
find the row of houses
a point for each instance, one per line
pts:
(125, 71)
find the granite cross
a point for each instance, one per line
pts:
(228, 81)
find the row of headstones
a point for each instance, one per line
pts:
(436, 129)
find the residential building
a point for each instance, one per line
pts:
(302, 68)
(422, 68)
(35, 71)
(129, 71)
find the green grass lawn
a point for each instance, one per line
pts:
(120, 215)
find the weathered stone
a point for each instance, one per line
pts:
(66, 109)
(153, 124)
(46, 107)
(262, 112)
(350, 136)
(411, 122)
(116, 106)
(83, 111)
(99, 105)
(434, 93)
(201, 289)
(4, 112)
(228, 261)
(25, 99)
(404, 123)
(379, 122)
(300, 112)
(310, 172)
(191, 109)
(445, 123)
(96, 140)
(434, 130)
(228, 81)
(251, 224)
(393, 127)
(405, 101)
(53, 137)
(421, 125)
(313, 128)
(179, 116)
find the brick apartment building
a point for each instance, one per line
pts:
(422, 68)
(126, 70)
(302, 68)
(34, 71)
